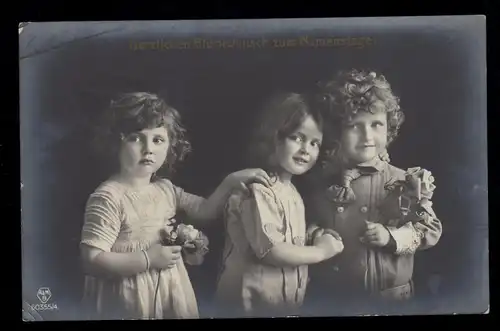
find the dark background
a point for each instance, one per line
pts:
(438, 77)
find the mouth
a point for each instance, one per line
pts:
(146, 162)
(301, 160)
(366, 146)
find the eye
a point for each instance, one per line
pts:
(316, 144)
(159, 140)
(352, 126)
(133, 138)
(378, 124)
(296, 138)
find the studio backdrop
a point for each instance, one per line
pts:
(218, 74)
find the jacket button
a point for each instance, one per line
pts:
(340, 209)
(364, 209)
(336, 268)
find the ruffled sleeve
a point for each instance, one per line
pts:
(187, 202)
(262, 220)
(184, 201)
(422, 229)
(102, 220)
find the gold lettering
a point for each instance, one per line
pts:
(197, 43)
(165, 45)
(320, 42)
(339, 41)
(357, 42)
(304, 41)
(278, 43)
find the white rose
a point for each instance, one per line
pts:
(192, 235)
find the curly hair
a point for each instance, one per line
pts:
(359, 90)
(280, 117)
(136, 111)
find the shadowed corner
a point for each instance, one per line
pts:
(22, 25)
(62, 213)
(434, 284)
(29, 314)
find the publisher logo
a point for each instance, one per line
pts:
(44, 294)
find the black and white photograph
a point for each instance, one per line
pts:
(257, 168)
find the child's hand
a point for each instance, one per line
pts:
(330, 245)
(312, 233)
(239, 179)
(375, 234)
(163, 257)
(334, 233)
(189, 246)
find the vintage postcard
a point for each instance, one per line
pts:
(254, 168)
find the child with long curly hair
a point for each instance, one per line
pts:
(383, 213)
(130, 272)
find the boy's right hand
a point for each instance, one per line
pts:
(330, 245)
(164, 257)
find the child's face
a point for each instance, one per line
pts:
(143, 153)
(299, 151)
(364, 137)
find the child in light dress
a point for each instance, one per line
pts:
(265, 260)
(129, 273)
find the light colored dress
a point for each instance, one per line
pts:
(254, 224)
(121, 219)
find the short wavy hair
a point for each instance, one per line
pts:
(136, 111)
(359, 90)
(281, 115)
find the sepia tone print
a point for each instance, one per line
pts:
(254, 168)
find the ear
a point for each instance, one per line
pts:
(275, 144)
(272, 149)
(272, 160)
(339, 154)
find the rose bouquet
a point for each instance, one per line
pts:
(410, 199)
(194, 243)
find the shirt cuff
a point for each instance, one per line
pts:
(407, 239)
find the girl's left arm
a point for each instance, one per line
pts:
(206, 209)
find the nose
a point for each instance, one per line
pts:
(305, 148)
(146, 147)
(368, 134)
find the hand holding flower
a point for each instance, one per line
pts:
(193, 242)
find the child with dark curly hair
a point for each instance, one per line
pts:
(129, 273)
(382, 213)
